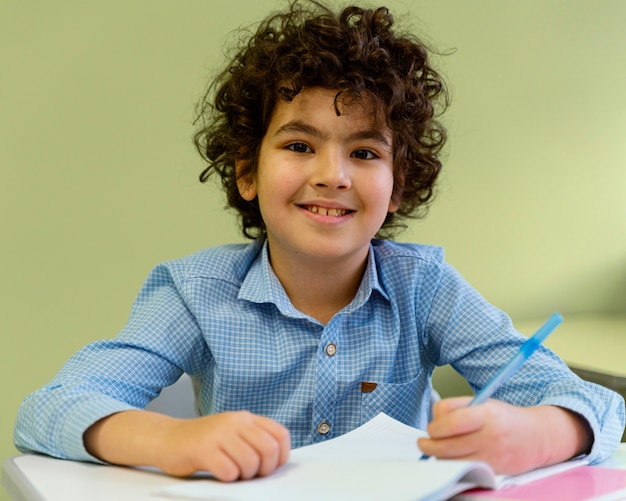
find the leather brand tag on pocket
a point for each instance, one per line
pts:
(368, 387)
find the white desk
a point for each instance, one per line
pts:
(40, 478)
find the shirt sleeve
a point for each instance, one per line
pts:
(160, 341)
(476, 339)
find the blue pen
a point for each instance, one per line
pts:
(511, 367)
(525, 351)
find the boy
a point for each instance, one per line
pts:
(323, 132)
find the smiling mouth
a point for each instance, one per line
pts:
(326, 212)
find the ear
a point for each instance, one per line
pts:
(245, 182)
(396, 196)
(393, 206)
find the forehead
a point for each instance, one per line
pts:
(328, 106)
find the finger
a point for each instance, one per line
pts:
(245, 457)
(259, 447)
(281, 436)
(222, 466)
(462, 447)
(266, 449)
(447, 405)
(460, 421)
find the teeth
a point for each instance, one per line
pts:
(326, 212)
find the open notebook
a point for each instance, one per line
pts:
(379, 460)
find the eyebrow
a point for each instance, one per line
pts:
(300, 126)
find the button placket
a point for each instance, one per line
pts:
(323, 411)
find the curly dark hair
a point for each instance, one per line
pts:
(355, 52)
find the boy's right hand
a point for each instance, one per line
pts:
(230, 445)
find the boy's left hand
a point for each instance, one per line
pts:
(511, 439)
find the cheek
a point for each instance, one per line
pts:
(386, 194)
(280, 182)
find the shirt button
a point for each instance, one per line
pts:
(323, 428)
(331, 349)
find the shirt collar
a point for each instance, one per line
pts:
(261, 285)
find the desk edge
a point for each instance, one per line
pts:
(16, 483)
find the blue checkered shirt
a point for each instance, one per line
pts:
(222, 316)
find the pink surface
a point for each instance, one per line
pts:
(578, 484)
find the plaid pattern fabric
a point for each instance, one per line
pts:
(222, 316)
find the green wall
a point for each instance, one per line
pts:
(98, 174)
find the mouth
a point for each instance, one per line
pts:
(324, 211)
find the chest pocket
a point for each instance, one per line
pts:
(408, 402)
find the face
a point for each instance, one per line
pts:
(324, 182)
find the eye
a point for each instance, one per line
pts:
(299, 148)
(364, 155)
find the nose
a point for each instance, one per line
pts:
(331, 171)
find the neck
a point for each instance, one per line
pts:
(319, 289)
